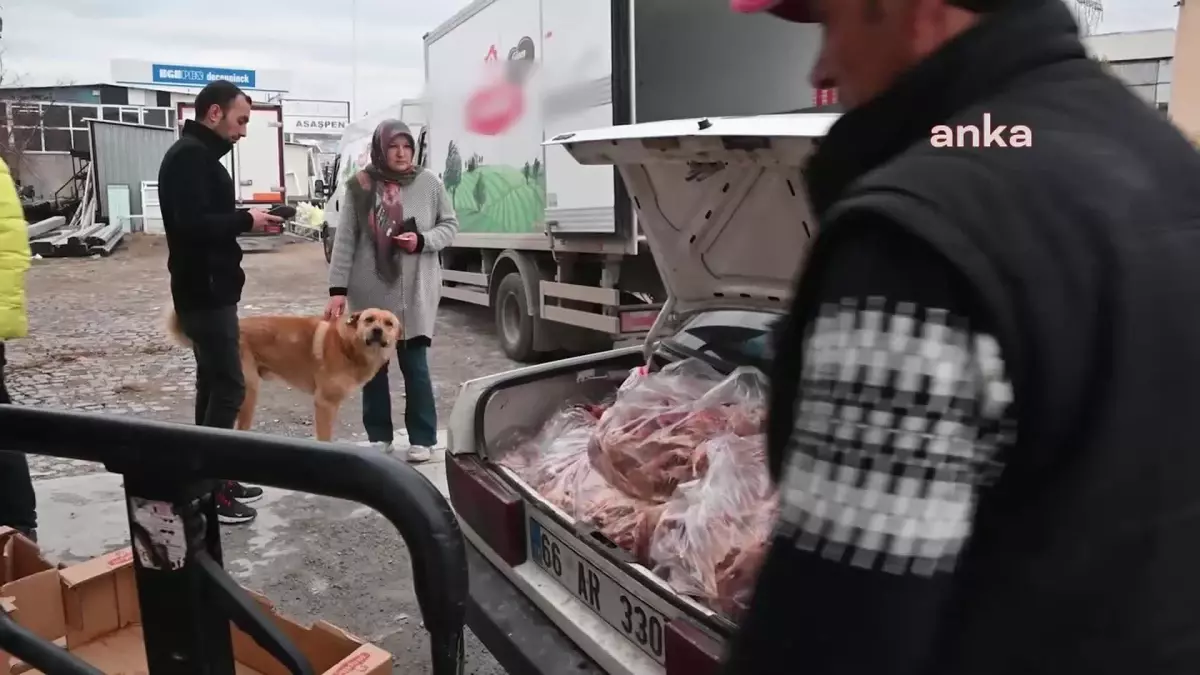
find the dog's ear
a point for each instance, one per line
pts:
(353, 320)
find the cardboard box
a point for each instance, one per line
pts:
(25, 577)
(92, 610)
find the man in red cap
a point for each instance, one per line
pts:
(983, 409)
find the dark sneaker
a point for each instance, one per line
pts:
(246, 494)
(232, 512)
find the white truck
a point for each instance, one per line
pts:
(551, 245)
(256, 162)
(300, 173)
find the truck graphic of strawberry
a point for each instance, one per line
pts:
(495, 107)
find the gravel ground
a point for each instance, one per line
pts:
(96, 344)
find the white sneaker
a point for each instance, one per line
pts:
(384, 447)
(418, 453)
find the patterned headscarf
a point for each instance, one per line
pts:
(385, 208)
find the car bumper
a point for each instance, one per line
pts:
(514, 630)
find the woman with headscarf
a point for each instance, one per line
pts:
(385, 255)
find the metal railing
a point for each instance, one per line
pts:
(187, 604)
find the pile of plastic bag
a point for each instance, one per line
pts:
(308, 215)
(673, 470)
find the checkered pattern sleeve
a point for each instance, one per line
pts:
(901, 420)
(890, 425)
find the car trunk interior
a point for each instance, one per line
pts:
(518, 409)
(697, 58)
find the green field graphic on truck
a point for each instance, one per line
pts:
(495, 198)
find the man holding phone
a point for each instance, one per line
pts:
(202, 223)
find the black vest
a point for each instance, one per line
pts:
(1085, 250)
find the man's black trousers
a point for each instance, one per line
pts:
(18, 505)
(220, 386)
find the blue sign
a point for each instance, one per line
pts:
(197, 76)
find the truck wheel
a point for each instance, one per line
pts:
(514, 325)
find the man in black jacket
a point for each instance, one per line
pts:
(983, 405)
(202, 225)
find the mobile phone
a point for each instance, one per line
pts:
(409, 226)
(283, 211)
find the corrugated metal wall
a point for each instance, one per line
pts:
(126, 154)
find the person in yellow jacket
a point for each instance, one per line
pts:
(18, 506)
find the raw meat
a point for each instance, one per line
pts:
(711, 536)
(555, 463)
(648, 441)
(673, 471)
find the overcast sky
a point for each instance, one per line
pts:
(50, 41)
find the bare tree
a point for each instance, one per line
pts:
(1088, 13)
(12, 145)
(22, 117)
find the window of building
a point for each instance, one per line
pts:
(162, 99)
(57, 140)
(1162, 92)
(27, 115)
(61, 127)
(1164, 70)
(1146, 91)
(56, 116)
(115, 95)
(1136, 73)
(156, 117)
(27, 139)
(81, 113)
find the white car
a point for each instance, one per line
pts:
(723, 207)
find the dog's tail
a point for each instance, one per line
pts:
(173, 329)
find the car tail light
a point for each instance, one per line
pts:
(690, 650)
(490, 507)
(634, 321)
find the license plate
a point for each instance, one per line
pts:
(622, 610)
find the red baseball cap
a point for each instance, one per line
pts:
(799, 11)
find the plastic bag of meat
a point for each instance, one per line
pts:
(711, 537)
(555, 463)
(647, 442)
(549, 461)
(626, 521)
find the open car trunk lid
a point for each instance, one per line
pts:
(720, 201)
(722, 206)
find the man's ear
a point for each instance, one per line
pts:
(353, 320)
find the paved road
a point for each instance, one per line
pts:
(97, 345)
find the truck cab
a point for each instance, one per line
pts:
(722, 204)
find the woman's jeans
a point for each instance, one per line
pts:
(420, 408)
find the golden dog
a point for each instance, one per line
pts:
(327, 359)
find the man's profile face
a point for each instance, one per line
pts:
(867, 44)
(231, 124)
